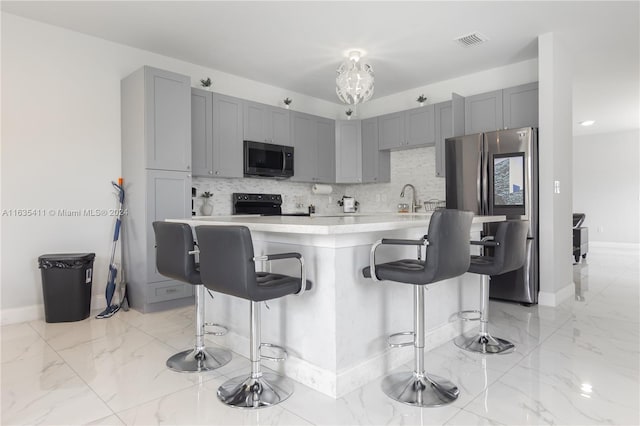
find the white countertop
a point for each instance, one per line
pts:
(326, 225)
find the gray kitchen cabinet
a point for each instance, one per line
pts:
(391, 130)
(201, 132)
(348, 151)
(167, 119)
(227, 136)
(313, 139)
(376, 164)
(152, 193)
(444, 129)
(420, 126)
(483, 112)
(520, 106)
(326, 150)
(265, 123)
(407, 129)
(216, 134)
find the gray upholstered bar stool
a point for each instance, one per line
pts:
(227, 265)
(509, 253)
(447, 256)
(175, 258)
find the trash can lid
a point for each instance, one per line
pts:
(67, 256)
(65, 260)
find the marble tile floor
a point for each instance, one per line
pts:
(576, 364)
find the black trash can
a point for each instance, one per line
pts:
(66, 285)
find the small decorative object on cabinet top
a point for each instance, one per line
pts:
(287, 102)
(349, 112)
(206, 83)
(421, 99)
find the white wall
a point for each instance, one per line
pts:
(555, 158)
(61, 145)
(467, 85)
(606, 185)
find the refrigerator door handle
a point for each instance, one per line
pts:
(485, 184)
(479, 181)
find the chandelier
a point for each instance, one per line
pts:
(354, 82)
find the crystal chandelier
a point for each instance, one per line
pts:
(354, 82)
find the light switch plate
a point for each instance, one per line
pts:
(556, 186)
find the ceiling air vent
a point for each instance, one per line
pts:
(471, 39)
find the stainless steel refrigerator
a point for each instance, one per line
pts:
(496, 173)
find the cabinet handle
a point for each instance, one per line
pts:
(210, 172)
(188, 167)
(188, 175)
(217, 172)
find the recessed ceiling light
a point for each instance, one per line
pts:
(587, 123)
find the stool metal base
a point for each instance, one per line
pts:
(248, 392)
(419, 391)
(484, 344)
(198, 360)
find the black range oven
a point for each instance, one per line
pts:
(263, 204)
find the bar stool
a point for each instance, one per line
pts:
(227, 265)
(509, 253)
(447, 256)
(175, 259)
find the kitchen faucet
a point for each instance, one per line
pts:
(414, 205)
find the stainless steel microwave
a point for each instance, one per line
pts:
(267, 160)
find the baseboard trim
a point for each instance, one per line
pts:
(36, 312)
(546, 298)
(609, 244)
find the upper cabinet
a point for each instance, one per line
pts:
(444, 130)
(520, 106)
(376, 164)
(265, 123)
(483, 112)
(313, 139)
(509, 108)
(216, 129)
(412, 128)
(348, 152)
(167, 118)
(419, 124)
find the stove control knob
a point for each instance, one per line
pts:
(246, 197)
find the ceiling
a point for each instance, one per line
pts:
(298, 45)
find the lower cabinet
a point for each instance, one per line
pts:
(153, 195)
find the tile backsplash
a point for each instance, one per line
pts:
(414, 166)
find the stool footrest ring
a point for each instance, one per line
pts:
(394, 344)
(222, 332)
(276, 348)
(469, 315)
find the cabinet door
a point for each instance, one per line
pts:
(375, 163)
(304, 138)
(201, 132)
(348, 152)
(520, 105)
(255, 122)
(168, 197)
(391, 130)
(227, 136)
(483, 112)
(444, 130)
(167, 120)
(280, 127)
(420, 126)
(326, 150)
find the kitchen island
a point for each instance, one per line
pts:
(336, 333)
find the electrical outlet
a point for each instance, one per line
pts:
(330, 199)
(556, 186)
(378, 198)
(600, 228)
(384, 198)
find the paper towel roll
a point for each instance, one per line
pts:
(321, 189)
